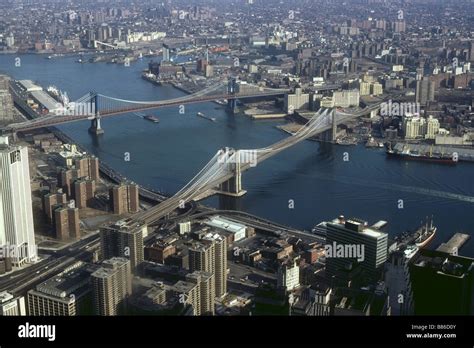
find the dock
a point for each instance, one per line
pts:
(454, 244)
(267, 116)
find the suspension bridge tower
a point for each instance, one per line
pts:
(232, 89)
(233, 186)
(95, 127)
(331, 134)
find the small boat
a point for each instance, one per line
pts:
(152, 118)
(200, 114)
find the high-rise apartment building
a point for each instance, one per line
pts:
(88, 167)
(124, 199)
(206, 285)
(16, 213)
(6, 101)
(51, 200)
(66, 178)
(188, 293)
(66, 223)
(425, 91)
(210, 255)
(220, 262)
(124, 239)
(166, 54)
(84, 192)
(111, 286)
(414, 127)
(202, 257)
(432, 128)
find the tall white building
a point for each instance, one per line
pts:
(432, 128)
(16, 213)
(288, 277)
(11, 305)
(414, 127)
(345, 99)
(296, 101)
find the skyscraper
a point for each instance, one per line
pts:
(111, 286)
(88, 167)
(220, 262)
(202, 257)
(84, 192)
(471, 51)
(124, 239)
(206, 284)
(354, 235)
(6, 101)
(16, 213)
(442, 284)
(50, 200)
(425, 91)
(211, 256)
(124, 199)
(397, 280)
(166, 54)
(66, 223)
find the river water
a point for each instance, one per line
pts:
(299, 187)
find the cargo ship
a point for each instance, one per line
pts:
(430, 156)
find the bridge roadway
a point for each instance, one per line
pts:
(163, 209)
(54, 120)
(198, 97)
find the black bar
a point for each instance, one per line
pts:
(291, 331)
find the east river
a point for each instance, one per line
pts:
(314, 177)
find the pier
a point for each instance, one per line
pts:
(454, 244)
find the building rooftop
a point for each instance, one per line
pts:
(183, 287)
(444, 263)
(359, 226)
(46, 100)
(5, 296)
(225, 224)
(29, 86)
(64, 284)
(109, 267)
